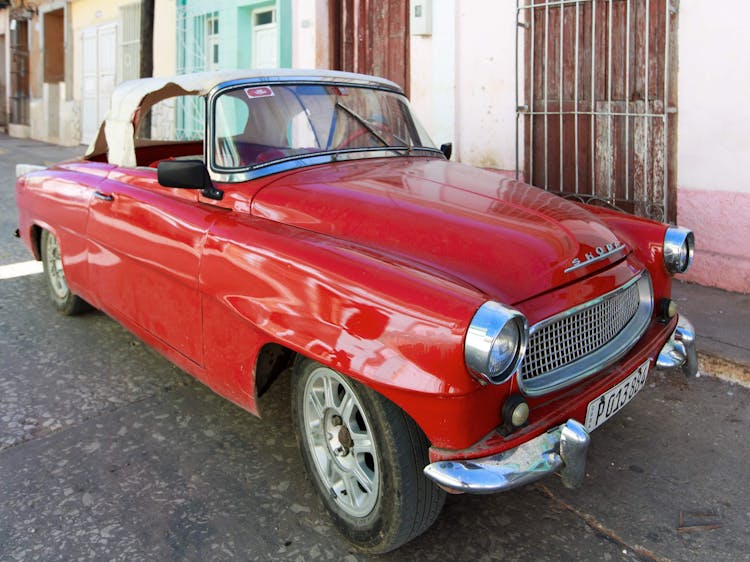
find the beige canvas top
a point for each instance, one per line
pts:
(116, 133)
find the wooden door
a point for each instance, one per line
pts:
(599, 109)
(99, 62)
(19, 72)
(371, 37)
(265, 39)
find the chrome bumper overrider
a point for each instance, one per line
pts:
(562, 449)
(679, 351)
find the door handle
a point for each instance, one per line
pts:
(103, 196)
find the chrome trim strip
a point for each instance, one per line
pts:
(598, 257)
(563, 449)
(605, 355)
(302, 161)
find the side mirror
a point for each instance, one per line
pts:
(447, 149)
(187, 174)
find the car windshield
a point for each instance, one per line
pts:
(260, 124)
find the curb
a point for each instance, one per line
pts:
(720, 368)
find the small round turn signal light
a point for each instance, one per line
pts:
(515, 411)
(671, 309)
(668, 309)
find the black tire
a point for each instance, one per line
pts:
(404, 503)
(64, 300)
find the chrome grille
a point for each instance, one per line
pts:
(585, 331)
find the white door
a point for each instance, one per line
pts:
(89, 114)
(99, 64)
(265, 39)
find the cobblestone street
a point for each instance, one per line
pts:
(107, 451)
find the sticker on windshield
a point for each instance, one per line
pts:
(259, 92)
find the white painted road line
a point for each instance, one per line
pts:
(20, 269)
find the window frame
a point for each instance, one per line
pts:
(245, 173)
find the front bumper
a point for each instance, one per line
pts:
(562, 449)
(679, 351)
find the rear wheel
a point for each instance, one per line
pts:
(62, 297)
(365, 457)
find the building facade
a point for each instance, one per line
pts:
(229, 34)
(713, 196)
(35, 88)
(611, 100)
(106, 43)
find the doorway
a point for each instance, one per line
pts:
(265, 39)
(99, 62)
(598, 101)
(371, 37)
(19, 72)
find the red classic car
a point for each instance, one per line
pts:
(448, 329)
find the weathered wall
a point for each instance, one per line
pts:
(485, 83)
(303, 34)
(713, 198)
(463, 80)
(433, 75)
(165, 27)
(48, 104)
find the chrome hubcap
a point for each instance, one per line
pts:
(339, 436)
(55, 268)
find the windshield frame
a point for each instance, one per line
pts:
(244, 173)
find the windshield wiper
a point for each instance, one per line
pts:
(366, 124)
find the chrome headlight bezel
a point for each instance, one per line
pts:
(485, 328)
(679, 248)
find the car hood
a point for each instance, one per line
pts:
(503, 237)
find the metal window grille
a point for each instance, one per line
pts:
(596, 100)
(19, 71)
(198, 43)
(212, 41)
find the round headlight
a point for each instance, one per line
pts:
(496, 342)
(503, 350)
(679, 247)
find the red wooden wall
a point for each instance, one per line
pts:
(371, 37)
(595, 91)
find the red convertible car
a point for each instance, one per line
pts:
(448, 329)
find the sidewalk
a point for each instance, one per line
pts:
(722, 324)
(28, 151)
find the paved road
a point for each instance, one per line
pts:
(109, 452)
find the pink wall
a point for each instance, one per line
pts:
(720, 222)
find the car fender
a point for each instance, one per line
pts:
(393, 328)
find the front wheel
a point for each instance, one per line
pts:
(62, 297)
(365, 458)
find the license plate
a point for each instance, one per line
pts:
(608, 404)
